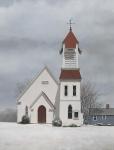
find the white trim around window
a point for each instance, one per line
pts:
(76, 115)
(94, 118)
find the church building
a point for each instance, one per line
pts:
(47, 99)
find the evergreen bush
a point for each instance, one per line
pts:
(25, 120)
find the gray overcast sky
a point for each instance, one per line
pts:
(31, 32)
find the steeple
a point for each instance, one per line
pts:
(70, 78)
(70, 50)
(70, 40)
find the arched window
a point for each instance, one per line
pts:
(69, 112)
(26, 110)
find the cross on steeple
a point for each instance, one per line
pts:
(70, 24)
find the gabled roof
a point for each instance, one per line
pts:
(101, 111)
(70, 74)
(34, 79)
(70, 40)
(45, 97)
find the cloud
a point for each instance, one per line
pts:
(6, 3)
(31, 36)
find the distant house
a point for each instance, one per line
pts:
(101, 116)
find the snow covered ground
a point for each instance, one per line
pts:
(45, 137)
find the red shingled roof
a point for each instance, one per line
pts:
(70, 40)
(70, 74)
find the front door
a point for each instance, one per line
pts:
(41, 114)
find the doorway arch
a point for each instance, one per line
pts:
(41, 114)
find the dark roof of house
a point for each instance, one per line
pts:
(70, 40)
(70, 74)
(101, 111)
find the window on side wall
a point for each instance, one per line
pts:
(74, 90)
(65, 90)
(95, 118)
(75, 115)
(104, 117)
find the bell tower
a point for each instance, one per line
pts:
(70, 78)
(70, 51)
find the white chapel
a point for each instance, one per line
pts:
(46, 99)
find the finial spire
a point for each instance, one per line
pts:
(70, 24)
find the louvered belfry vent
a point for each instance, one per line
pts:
(70, 58)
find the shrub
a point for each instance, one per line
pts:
(57, 122)
(25, 120)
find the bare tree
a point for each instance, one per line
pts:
(89, 97)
